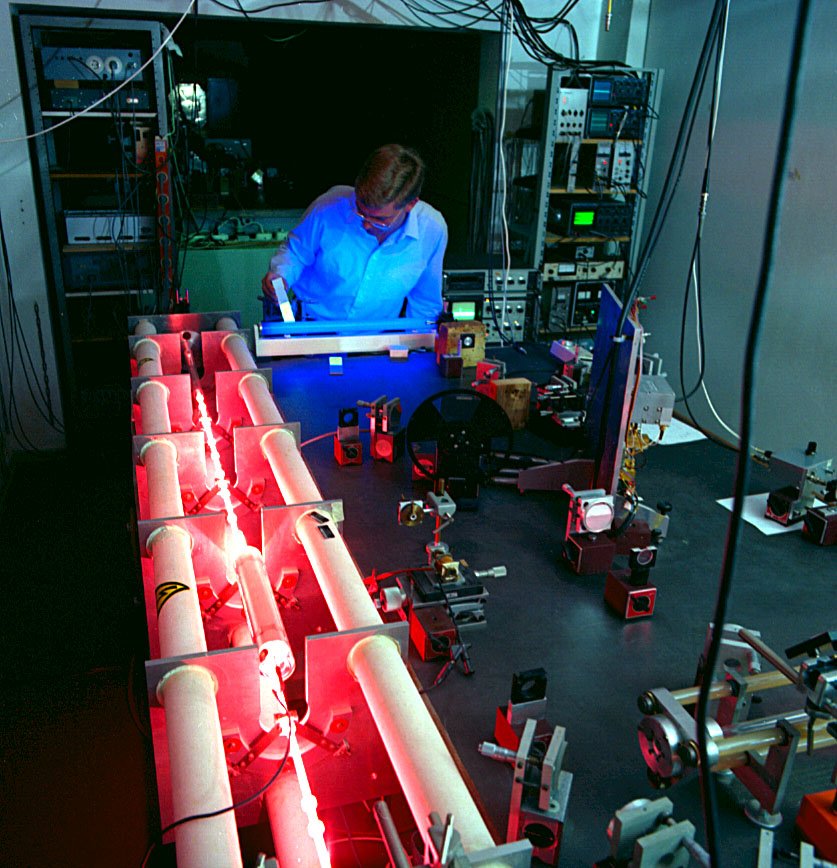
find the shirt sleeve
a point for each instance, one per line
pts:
(299, 249)
(424, 300)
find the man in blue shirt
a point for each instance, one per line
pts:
(360, 252)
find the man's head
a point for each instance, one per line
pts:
(387, 188)
(392, 174)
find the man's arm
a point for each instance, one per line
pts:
(295, 253)
(424, 301)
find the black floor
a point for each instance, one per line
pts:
(77, 768)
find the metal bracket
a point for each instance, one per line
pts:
(768, 780)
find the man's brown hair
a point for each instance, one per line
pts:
(392, 173)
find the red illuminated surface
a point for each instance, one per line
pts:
(245, 554)
(236, 544)
(308, 803)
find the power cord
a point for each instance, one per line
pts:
(234, 807)
(742, 474)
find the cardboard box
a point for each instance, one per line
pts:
(466, 339)
(513, 395)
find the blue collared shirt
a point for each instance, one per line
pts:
(339, 271)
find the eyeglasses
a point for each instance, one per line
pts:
(377, 223)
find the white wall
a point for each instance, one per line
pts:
(797, 369)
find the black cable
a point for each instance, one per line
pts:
(675, 164)
(683, 322)
(270, 5)
(748, 388)
(694, 263)
(15, 345)
(500, 108)
(461, 651)
(416, 8)
(217, 813)
(44, 371)
(627, 521)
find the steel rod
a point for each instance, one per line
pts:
(426, 770)
(770, 655)
(389, 833)
(733, 751)
(722, 689)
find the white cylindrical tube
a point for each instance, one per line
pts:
(149, 358)
(269, 704)
(145, 327)
(238, 353)
(263, 618)
(226, 324)
(392, 599)
(337, 574)
(289, 823)
(197, 763)
(425, 768)
(160, 460)
(200, 782)
(292, 475)
(258, 400)
(179, 619)
(154, 404)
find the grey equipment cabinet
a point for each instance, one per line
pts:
(99, 119)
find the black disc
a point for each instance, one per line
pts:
(466, 428)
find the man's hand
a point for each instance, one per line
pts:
(267, 285)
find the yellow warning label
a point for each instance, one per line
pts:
(166, 590)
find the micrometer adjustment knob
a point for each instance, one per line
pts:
(492, 573)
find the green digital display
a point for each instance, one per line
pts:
(584, 218)
(463, 311)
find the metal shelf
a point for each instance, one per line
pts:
(124, 114)
(97, 293)
(61, 175)
(585, 239)
(126, 247)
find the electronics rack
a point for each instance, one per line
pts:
(99, 179)
(495, 298)
(576, 219)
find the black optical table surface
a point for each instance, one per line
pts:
(543, 615)
(78, 774)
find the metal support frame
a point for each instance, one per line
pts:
(392, 741)
(759, 753)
